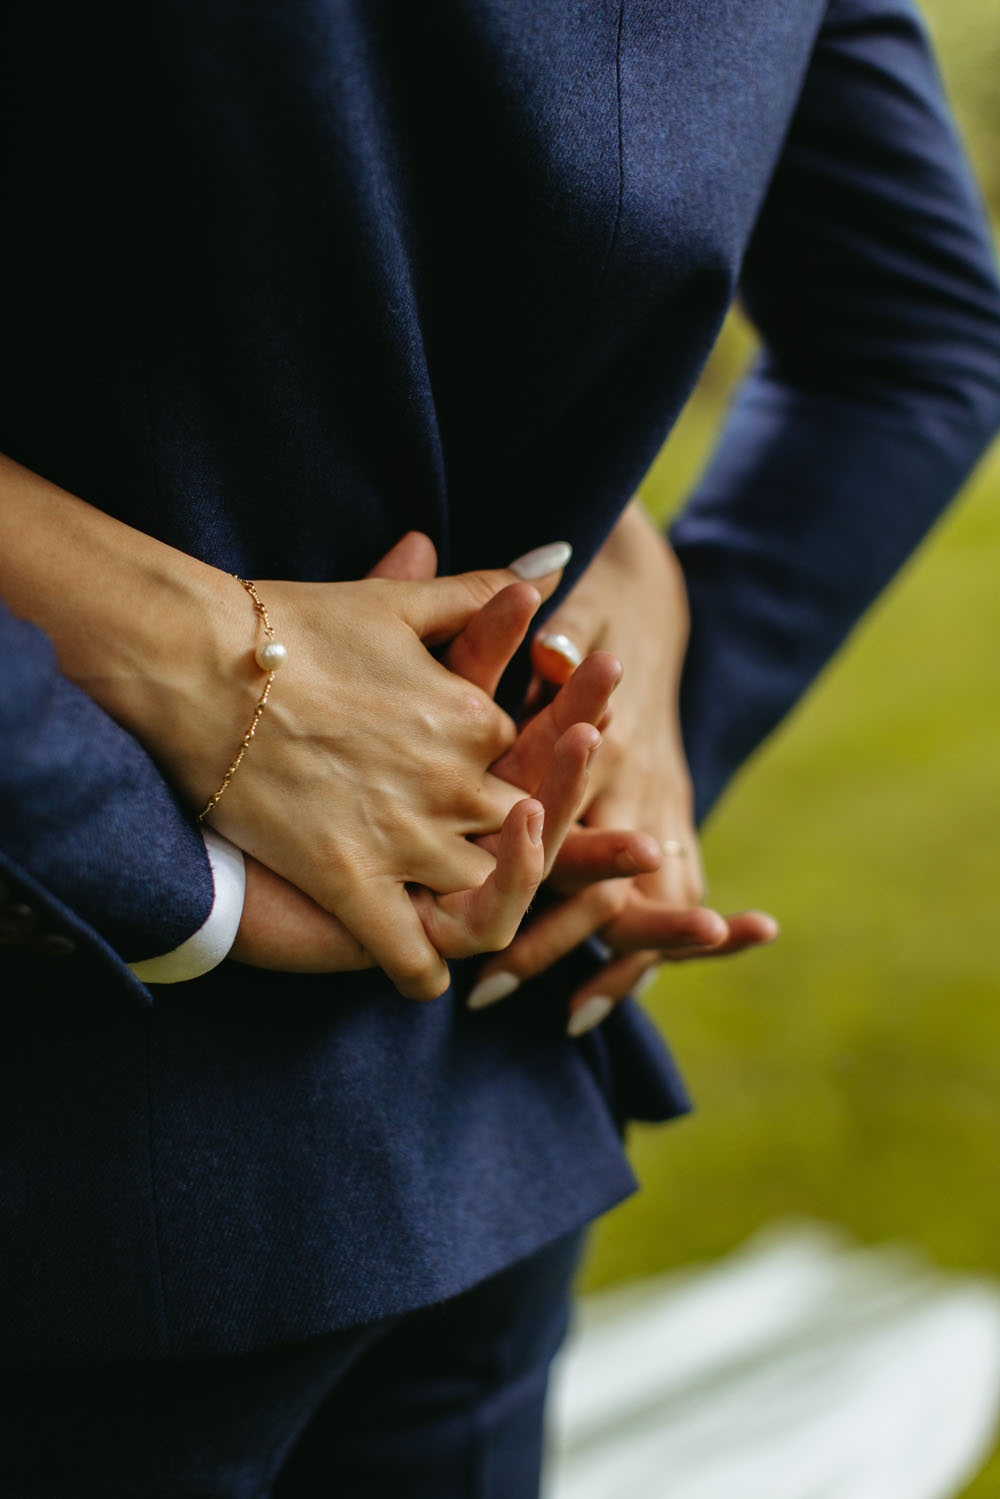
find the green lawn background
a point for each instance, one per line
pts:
(852, 1071)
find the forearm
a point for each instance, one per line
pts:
(808, 510)
(148, 632)
(872, 281)
(370, 770)
(85, 812)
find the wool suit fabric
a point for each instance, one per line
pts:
(445, 1402)
(285, 281)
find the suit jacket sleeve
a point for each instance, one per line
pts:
(91, 836)
(871, 279)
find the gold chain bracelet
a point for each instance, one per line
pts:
(269, 656)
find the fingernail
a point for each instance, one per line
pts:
(597, 1008)
(535, 824)
(561, 645)
(542, 561)
(648, 980)
(489, 990)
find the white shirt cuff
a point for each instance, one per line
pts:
(212, 941)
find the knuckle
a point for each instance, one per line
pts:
(495, 933)
(607, 899)
(420, 978)
(475, 705)
(437, 984)
(497, 937)
(504, 730)
(464, 945)
(488, 724)
(480, 588)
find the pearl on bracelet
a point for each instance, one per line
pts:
(270, 654)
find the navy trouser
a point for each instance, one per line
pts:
(444, 1403)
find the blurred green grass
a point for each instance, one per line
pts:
(852, 1071)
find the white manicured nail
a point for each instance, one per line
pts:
(647, 980)
(542, 561)
(489, 990)
(562, 646)
(597, 1008)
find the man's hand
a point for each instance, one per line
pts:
(282, 929)
(632, 873)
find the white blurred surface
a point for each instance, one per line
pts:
(799, 1367)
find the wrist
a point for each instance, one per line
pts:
(153, 635)
(188, 683)
(651, 554)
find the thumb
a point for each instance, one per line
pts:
(437, 609)
(413, 556)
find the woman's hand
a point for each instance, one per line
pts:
(282, 928)
(638, 819)
(370, 767)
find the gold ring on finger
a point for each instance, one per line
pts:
(673, 846)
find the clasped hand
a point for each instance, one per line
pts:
(610, 867)
(369, 788)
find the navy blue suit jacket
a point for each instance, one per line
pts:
(297, 277)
